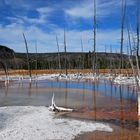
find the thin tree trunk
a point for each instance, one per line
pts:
(137, 58)
(82, 59)
(111, 60)
(36, 67)
(134, 72)
(65, 49)
(94, 46)
(59, 60)
(27, 54)
(137, 26)
(130, 59)
(122, 33)
(16, 65)
(36, 57)
(5, 69)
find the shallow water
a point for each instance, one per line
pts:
(99, 101)
(71, 94)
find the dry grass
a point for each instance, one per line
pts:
(56, 71)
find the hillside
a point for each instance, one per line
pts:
(6, 52)
(50, 60)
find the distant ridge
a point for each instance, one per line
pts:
(50, 60)
(5, 52)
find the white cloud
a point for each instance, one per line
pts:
(12, 37)
(20, 4)
(12, 33)
(44, 12)
(40, 20)
(14, 20)
(85, 9)
(82, 11)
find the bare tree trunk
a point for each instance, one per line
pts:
(36, 57)
(130, 59)
(134, 72)
(122, 32)
(16, 65)
(59, 60)
(5, 69)
(94, 46)
(65, 49)
(28, 59)
(137, 59)
(137, 26)
(111, 61)
(82, 59)
(36, 67)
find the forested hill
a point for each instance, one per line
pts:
(5, 52)
(50, 60)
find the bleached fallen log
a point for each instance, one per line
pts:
(55, 108)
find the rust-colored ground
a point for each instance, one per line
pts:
(117, 134)
(55, 71)
(125, 128)
(126, 118)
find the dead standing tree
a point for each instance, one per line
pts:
(65, 50)
(137, 27)
(110, 62)
(94, 39)
(82, 56)
(59, 59)
(28, 59)
(136, 71)
(36, 57)
(5, 70)
(123, 6)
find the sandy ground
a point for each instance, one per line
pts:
(38, 123)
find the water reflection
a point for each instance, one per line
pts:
(103, 88)
(66, 92)
(100, 98)
(29, 89)
(6, 90)
(94, 99)
(121, 105)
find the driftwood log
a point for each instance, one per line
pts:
(55, 108)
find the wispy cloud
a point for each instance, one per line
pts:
(85, 9)
(46, 41)
(41, 21)
(20, 4)
(43, 12)
(81, 11)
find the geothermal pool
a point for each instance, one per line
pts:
(101, 101)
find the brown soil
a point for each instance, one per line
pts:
(117, 134)
(54, 71)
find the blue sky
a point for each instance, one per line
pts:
(42, 20)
